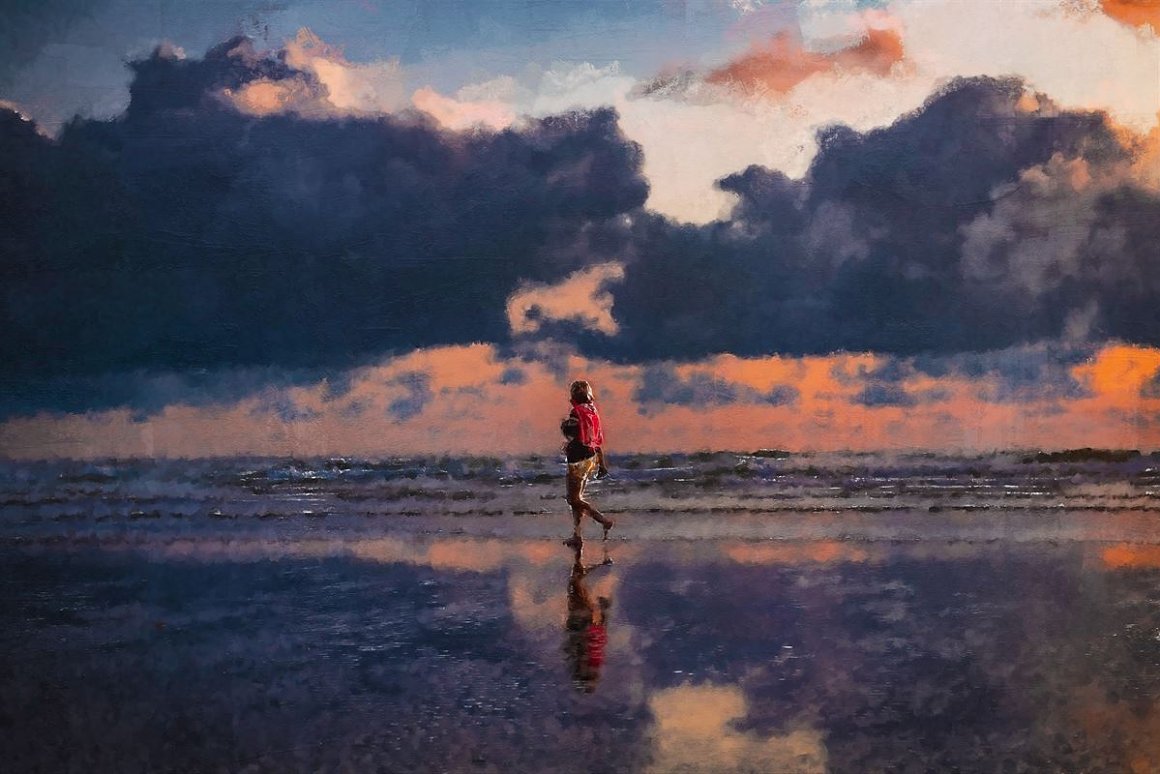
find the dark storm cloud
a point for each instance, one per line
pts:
(419, 394)
(884, 394)
(1017, 374)
(284, 407)
(880, 394)
(148, 392)
(660, 385)
(889, 370)
(781, 395)
(185, 235)
(1023, 374)
(513, 375)
(958, 228)
(883, 384)
(355, 408)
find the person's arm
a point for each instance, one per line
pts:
(601, 466)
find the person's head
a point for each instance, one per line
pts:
(581, 391)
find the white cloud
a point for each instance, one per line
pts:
(371, 87)
(691, 143)
(694, 135)
(1081, 59)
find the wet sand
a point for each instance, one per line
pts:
(154, 623)
(464, 653)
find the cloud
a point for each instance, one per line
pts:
(1146, 157)
(1063, 49)
(1022, 374)
(1050, 397)
(1134, 13)
(987, 219)
(417, 385)
(661, 385)
(513, 375)
(283, 406)
(781, 63)
(1151, 388)
(460, 115)
(694, 132)
(581, 297)
(1018, 374)
(1068, 226)
(357, 88)
(264, 97)
(876, 395)
(147, 392)
(318, 81)
(187, 234)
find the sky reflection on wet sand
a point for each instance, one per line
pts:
(452, 653)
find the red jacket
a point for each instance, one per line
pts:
(591, 434)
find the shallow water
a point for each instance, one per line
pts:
(907, 638)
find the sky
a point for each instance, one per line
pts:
(348, 227)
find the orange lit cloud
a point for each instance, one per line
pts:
(265, 97)
(372, 87)
(1118, 374)
(338, 87)
(782, 63)
(1135, 13)
(460, 114)
(579, 298)
(473, 399)
(1144, 169)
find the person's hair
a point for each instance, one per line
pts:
(579, 390)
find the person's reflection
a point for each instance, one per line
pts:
(586, 624)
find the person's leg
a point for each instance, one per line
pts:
(577, 515)
(575, 484)
(605, 522)
(593, 514)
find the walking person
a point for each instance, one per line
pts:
(584, 452)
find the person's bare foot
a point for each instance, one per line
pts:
(607, 526)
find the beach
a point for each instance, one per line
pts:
(751, 612)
